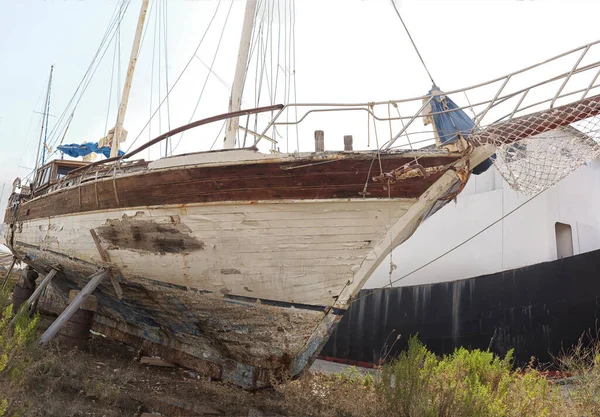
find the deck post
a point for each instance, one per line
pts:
(348, 142)
(35, 296)
(319, 141)
(72, 308)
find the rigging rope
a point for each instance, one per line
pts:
(467, 240)
(207, 75)
(47, 117)
(255, 45)
(450, 250)
(27, 139)
(257, 48)
(118, 15)
(159, 19)
(294, 71)
(275, 53)
(165, 20)
(110, 89)
(412, 41)
(85, 81)
(179, 77)
(152, 70)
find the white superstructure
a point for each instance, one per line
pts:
(559, 222)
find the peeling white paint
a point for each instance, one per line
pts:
(300, 252)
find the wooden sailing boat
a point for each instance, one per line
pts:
(238, 263)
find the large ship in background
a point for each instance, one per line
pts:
(240, 263)
(528, 282)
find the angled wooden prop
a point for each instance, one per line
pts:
(9, 271)
(72, 308)
(35, 296)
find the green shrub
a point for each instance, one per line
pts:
(406, 381)
(466, 383)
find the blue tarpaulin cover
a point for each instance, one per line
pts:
(450, 124)
(75, 150)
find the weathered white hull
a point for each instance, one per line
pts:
(291, 251)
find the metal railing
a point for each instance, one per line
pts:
(483, 109)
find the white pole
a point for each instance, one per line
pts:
(235, 101)
(135, 49)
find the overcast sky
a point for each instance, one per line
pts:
(346, 51)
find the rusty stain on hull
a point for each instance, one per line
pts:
(141, 234)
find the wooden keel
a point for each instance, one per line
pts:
(64, 317)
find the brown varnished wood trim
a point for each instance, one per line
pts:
(264, 180)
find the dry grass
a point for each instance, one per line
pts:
(63, 383)
(346, 394)
(37, 382)
(582, 361)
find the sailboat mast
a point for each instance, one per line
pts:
(235, 101)
(118, 132)
(39, 162)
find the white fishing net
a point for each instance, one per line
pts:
(530, 161)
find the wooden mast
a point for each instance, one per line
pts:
(39, 162)
(118, 131)
(235, 101)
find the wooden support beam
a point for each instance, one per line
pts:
(35, 296)
(72, 308)
(106, 259)
(9, 271)
(33, 308)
